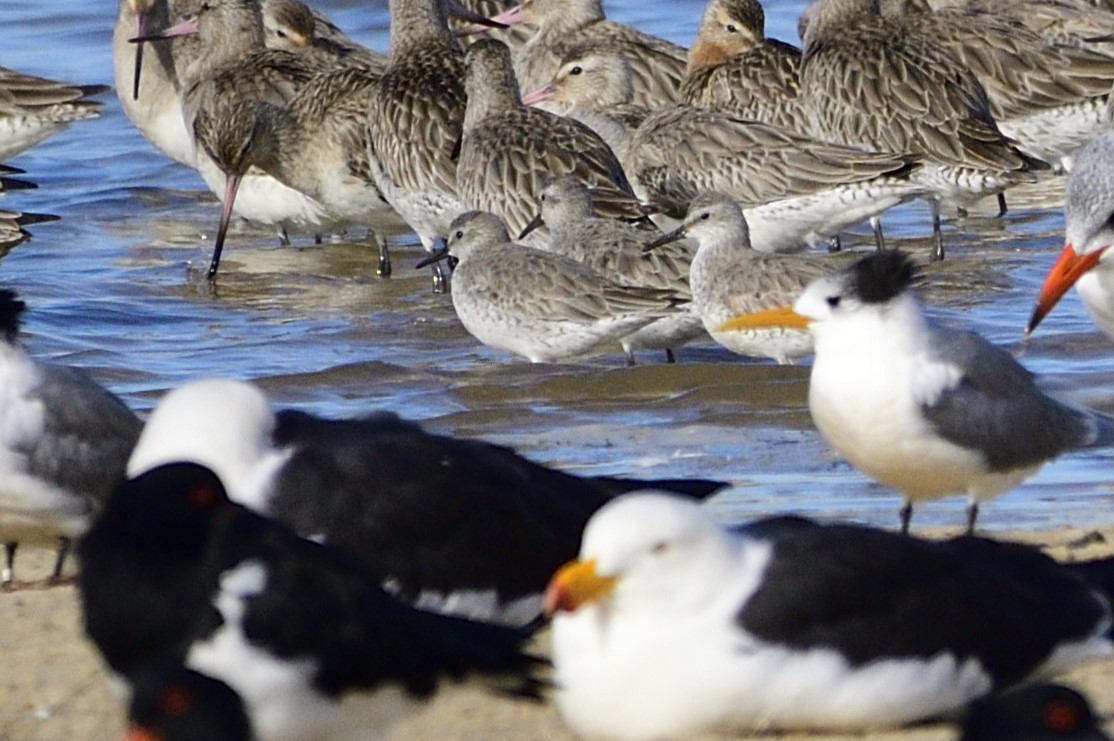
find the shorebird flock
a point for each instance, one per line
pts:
(582, 187)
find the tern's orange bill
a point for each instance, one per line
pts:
(782, 316)
(1069, 268)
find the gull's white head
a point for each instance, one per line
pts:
(222, 424)
(647, 551)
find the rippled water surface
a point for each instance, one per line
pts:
(118, 286)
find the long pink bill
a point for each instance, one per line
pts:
(188, 27)
(481, 23)
(541, 95)
(232, 184)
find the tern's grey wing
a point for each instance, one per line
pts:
(88, 433)
(996, 407)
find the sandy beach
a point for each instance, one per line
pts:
(52, 685)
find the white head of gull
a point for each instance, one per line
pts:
(669, 626)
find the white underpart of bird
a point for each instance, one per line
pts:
(668, 625)
(926, 409)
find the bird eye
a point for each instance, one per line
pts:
(459, 234)
(731, 28)
(705, 216)
(833, 301)
(576, 70)
(280, 33)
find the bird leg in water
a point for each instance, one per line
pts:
(937, 238)
(879, 240)
(384, 268)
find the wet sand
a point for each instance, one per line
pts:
(52, 685)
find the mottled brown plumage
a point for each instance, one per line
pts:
(415, 120)
(734, 69)
(658, 66)
(509, 151)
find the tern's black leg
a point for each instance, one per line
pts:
(9, 562)
(906, 517)
(972, 515)
(64, 547)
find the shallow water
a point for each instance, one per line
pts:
(118, 286)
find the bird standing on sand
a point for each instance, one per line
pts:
(928, 410)
(64, 442)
